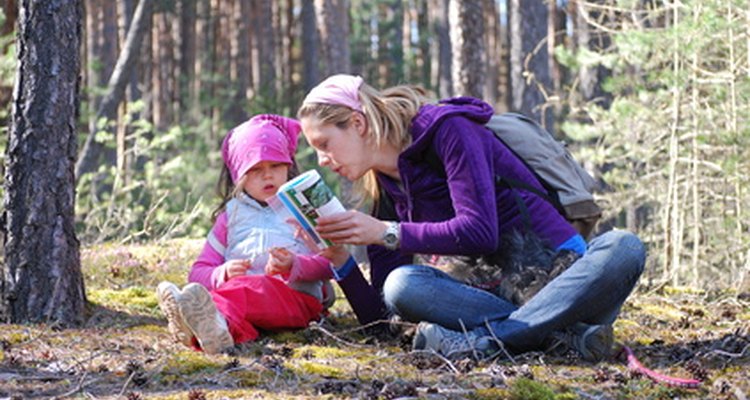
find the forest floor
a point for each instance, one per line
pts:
(124, 350)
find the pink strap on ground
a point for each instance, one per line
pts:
(635, 365)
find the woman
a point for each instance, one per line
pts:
(382, 141)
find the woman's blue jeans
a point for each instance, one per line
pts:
(591, 291)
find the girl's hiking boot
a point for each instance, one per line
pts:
(453, 345)
(169, 296)
(204, 320)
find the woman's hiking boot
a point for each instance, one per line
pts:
(592, 342)
(169, 295)
(204, 320)
(452, 344)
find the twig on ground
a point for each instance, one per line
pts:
(441, 357)
(127, 382)
(728, 354)
(500, 344)
(588, 396)
(81, 385)
(316, 327)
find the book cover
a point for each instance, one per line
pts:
(302, 201)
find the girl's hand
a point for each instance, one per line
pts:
(337, 254)
(234, 268)
(300, 233)
(351, 227)
(279, 261)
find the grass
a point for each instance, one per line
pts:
(124, 350)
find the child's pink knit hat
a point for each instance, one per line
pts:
(265, 137)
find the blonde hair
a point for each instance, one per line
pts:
(388, 114)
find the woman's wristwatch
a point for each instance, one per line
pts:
(392, 235)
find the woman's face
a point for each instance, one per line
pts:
(345, 151)
(264, 178)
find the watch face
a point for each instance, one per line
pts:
(390, 238)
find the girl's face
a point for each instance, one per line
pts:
(264, 178)
(345, 151)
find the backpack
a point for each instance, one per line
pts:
(567, 185)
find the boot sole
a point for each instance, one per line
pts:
(200, 313)
(167, 295)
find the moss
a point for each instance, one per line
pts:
(308, 367)
(674, 290)
(150, 328)
(189, 362)
(527, 389)
(566, 396)
(322, 352)
(663, 312)
(15, 337)
(490, 394)
(216, 394)
(252, 377)
(289, 337)
(134, 298)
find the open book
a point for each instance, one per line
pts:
(302, 201)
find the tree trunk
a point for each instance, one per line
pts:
(266, 53)
(423, 62)
(116, 87)
(310, 60)
(409, 18)
(41, 275)
(93, 34)
(492, 43)
(162, 54)
(124, 161)
(466, 21)
(240, 61)
(530, 75)
(187, 57)
(333, 25)
(587, 36)
(202, 57)
(10, 8)
(441, 51)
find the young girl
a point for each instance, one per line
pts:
(254, 272)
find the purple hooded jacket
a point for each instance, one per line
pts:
(460, 211)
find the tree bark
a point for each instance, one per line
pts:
(586, 36)
(10, 8)
(41, 275)
(492, 43)
(240, 62)
(441, 51)
(333, 26)
(311, 73)
(88, 159)
(530, 74)
(466, 22)
(266, 52)
(187, 56)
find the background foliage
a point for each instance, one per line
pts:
(668, 136)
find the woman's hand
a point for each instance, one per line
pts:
(336, 254)
(351, 227)
(234, 268)
(279, 261)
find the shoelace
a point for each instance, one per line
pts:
(635, 365)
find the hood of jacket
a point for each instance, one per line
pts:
(430, 116)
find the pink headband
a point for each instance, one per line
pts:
(339, 89)
(265, 137)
